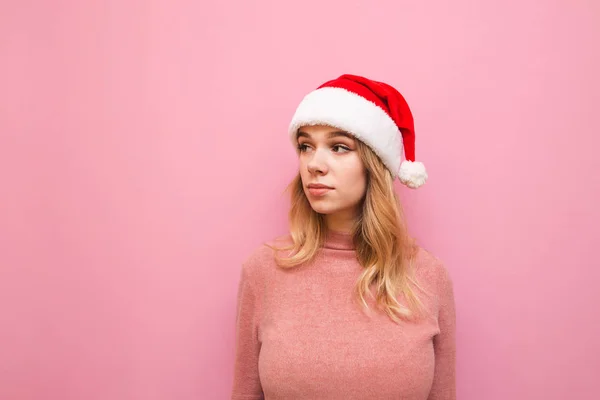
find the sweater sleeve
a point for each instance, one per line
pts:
(246, 382)
(444, 381)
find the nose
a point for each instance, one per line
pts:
(317, 164)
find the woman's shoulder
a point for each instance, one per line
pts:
(431, 268)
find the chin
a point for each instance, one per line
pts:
(324, 209)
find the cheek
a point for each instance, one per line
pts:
(355, 182)
(301, 167)
(360, 186)
(303, 173)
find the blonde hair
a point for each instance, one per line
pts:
(383, 245)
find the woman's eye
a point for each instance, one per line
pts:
(302, 147)
(339, 146)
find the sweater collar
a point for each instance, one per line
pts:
(338, 240)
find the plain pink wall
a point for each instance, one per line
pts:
(143, 154)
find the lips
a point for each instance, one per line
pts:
(319, 190)
(318, 186)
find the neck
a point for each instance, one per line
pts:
(342, 221)
(339, 240)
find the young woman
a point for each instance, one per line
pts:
(347, 305)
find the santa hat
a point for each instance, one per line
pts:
(375, 113)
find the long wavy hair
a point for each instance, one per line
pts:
(383, 245)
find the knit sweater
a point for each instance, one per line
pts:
(299, 335)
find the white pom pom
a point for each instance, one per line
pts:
(412, 174)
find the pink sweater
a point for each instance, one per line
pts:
(300, 336)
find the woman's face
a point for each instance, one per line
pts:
(330, 157)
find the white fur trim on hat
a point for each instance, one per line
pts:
(412, 174)
(354, 114)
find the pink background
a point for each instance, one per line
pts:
(143, 154)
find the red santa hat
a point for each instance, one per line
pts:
(375, 113)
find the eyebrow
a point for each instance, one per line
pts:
(329, 136)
